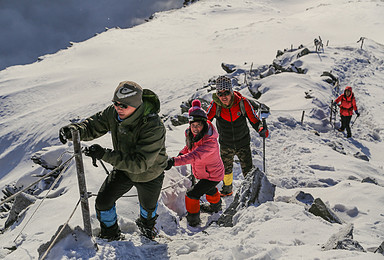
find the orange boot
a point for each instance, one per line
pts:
(193, 209)
(214, 203)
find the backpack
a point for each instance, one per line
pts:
(256, 106)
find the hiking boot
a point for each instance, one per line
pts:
(111, 233)
(226, 190)
(193, 219)
(340, 130)
(349, 135)
(147, 227)
(211, 207)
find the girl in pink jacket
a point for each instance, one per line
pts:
(203, 153)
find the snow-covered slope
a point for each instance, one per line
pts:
(175, 54)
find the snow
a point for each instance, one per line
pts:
(175, 54)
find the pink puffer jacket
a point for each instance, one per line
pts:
(204, 157)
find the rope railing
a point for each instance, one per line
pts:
(43, 177)
(41, 202)
(61, 230)
(84, 195)
(167, 187)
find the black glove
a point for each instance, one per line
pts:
(170, 163)
(95, 151)
(65, 133)
(357, 113)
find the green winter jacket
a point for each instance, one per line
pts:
(138, 141)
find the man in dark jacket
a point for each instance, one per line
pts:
(138, 155)
(231, 109)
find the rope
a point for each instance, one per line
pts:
(169, 186)
(61, 230)
(299, 109)
(41, 202)
(45, 176)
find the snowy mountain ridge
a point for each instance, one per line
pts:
(312, 157)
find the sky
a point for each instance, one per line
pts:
(30, 29)
(176, 55)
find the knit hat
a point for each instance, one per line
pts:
(196, 113)
(128, 93)
(223, 83)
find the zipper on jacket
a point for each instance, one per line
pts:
(233, 132)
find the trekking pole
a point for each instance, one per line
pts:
(105, 168)
(264, 127)
(94, 160)
(354, 121)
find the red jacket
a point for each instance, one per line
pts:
(348, 103)
(204, 157)
(232, 124)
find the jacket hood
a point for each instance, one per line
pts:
(151, 101)
(212, 132)
(348, 88)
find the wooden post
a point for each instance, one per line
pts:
(302, 117)
(362, 42)
(81, 182)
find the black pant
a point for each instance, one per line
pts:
(345, 120)
(118, 183)
(202, 187)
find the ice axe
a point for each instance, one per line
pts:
(354, 121)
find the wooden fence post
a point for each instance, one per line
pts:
(81, 182)
(362, 41)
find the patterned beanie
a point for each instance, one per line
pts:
(128, 93)
(196, 113)
(223, 83)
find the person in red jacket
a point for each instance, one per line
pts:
(202, 152)
(347, 106)
(231, 122)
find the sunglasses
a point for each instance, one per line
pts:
(117, 104)
(223, 93)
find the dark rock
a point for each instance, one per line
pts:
(179, 120)
(228, 67)
(301, 197)
(303, 52)
(254, 190)
(370, 180)
(22, 201)
(361, 156)
(343, 240)
(380, 249)
(65, 232)
(318, 208)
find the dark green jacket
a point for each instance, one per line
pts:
(138, 141)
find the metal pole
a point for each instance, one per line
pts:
(264, 126)
(81, 182)
(302, 117)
